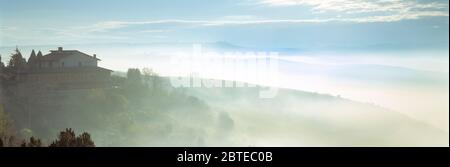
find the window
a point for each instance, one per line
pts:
(62, 64)
(79, 64)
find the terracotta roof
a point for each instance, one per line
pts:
(57, 55)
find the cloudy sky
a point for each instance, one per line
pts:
(404, 37)
(313, 24)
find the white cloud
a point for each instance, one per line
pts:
(346, 11)
(350, 11)
(109, 25)
(395, 17)
(96, 30)
(104, 26)
(362, 11)
(219, 22)
(119, 24)
(360, 6)
(155, 31)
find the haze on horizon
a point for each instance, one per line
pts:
(404, 37)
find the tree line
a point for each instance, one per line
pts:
(66, 138)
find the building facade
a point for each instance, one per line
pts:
(62, 70)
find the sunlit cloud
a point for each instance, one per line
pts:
(362, 11)
(110, 25)
(310, 12)
(353, 11)
(155, 31)
(360, 6)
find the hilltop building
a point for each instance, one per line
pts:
(59, 71)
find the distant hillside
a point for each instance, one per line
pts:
(296, 118)
(147, 111)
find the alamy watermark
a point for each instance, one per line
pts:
(198, 69)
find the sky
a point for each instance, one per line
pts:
(355, 25)
(410, 34)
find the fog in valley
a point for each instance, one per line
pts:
(322, 100)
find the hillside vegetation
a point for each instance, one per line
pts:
(144, 110)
